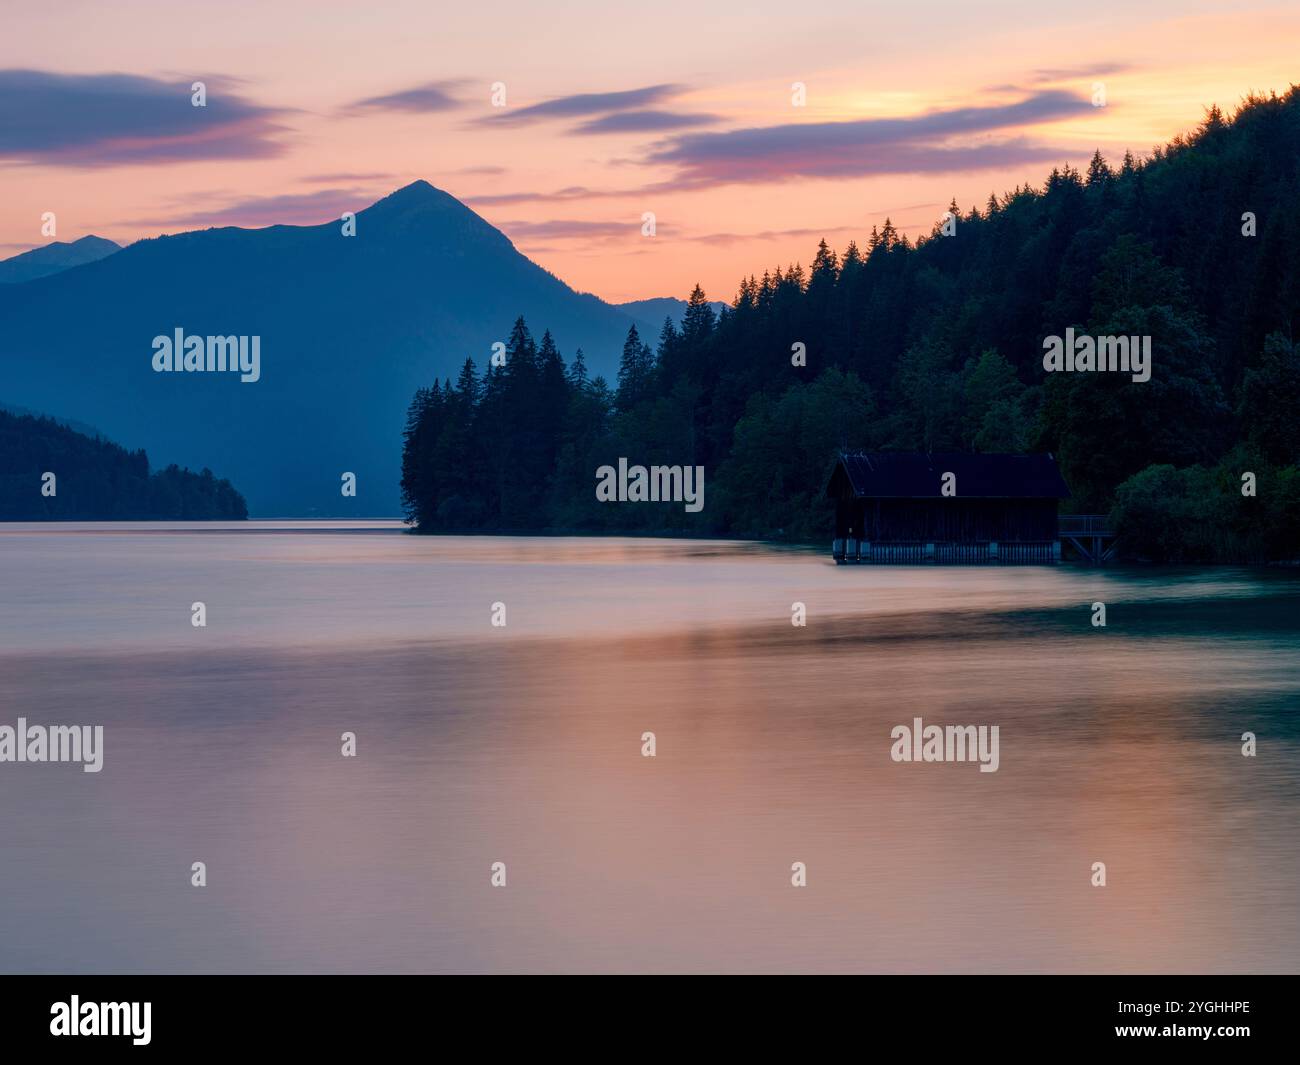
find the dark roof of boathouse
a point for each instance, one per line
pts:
(918, 475)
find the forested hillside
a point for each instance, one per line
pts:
(95, 480)
(938, 345)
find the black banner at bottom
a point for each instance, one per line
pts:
(1236, 1015)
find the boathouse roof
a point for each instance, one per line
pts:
(919, 475)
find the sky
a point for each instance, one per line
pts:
(565, 124)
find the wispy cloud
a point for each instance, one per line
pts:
(101, 120)
(1096, 70)
(432, 96)
(582, 104)
(644, 122)
(330, 179)
(726, 239)
(572, 192)
(573, 229)
(1082, 73)
(305, 208)
(934, 142)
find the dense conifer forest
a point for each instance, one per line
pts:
(937, 345)
(95, 480)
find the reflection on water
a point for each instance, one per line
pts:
(478, 744)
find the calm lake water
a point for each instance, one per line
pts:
(522, 744)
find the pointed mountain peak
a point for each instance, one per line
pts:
(416, 193)
(423, 207)
(419, 185)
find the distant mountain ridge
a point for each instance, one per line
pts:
(349, 327)
(76, 427)
(660, 307)
(54, 258)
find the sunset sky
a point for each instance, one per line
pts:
(612, 110)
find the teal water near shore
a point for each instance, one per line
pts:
(522, 744)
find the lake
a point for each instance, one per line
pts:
(522, 744)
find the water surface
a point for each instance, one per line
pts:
(522, 744)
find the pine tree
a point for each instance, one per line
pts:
(550, 365)
(467, 392)
(669, 355)
(578, 372)
(521, 353)
(825, 266)
(698, 321)
(634, 371)
(1099, 171)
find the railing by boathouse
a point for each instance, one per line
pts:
(1084, 525)
(1089, 534)
(963, 554)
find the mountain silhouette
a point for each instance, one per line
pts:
(52, 258)
(349, 327)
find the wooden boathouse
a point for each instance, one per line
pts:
(946, 508)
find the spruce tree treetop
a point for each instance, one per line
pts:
(578, 370)
(467, 383)
(698, 320)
